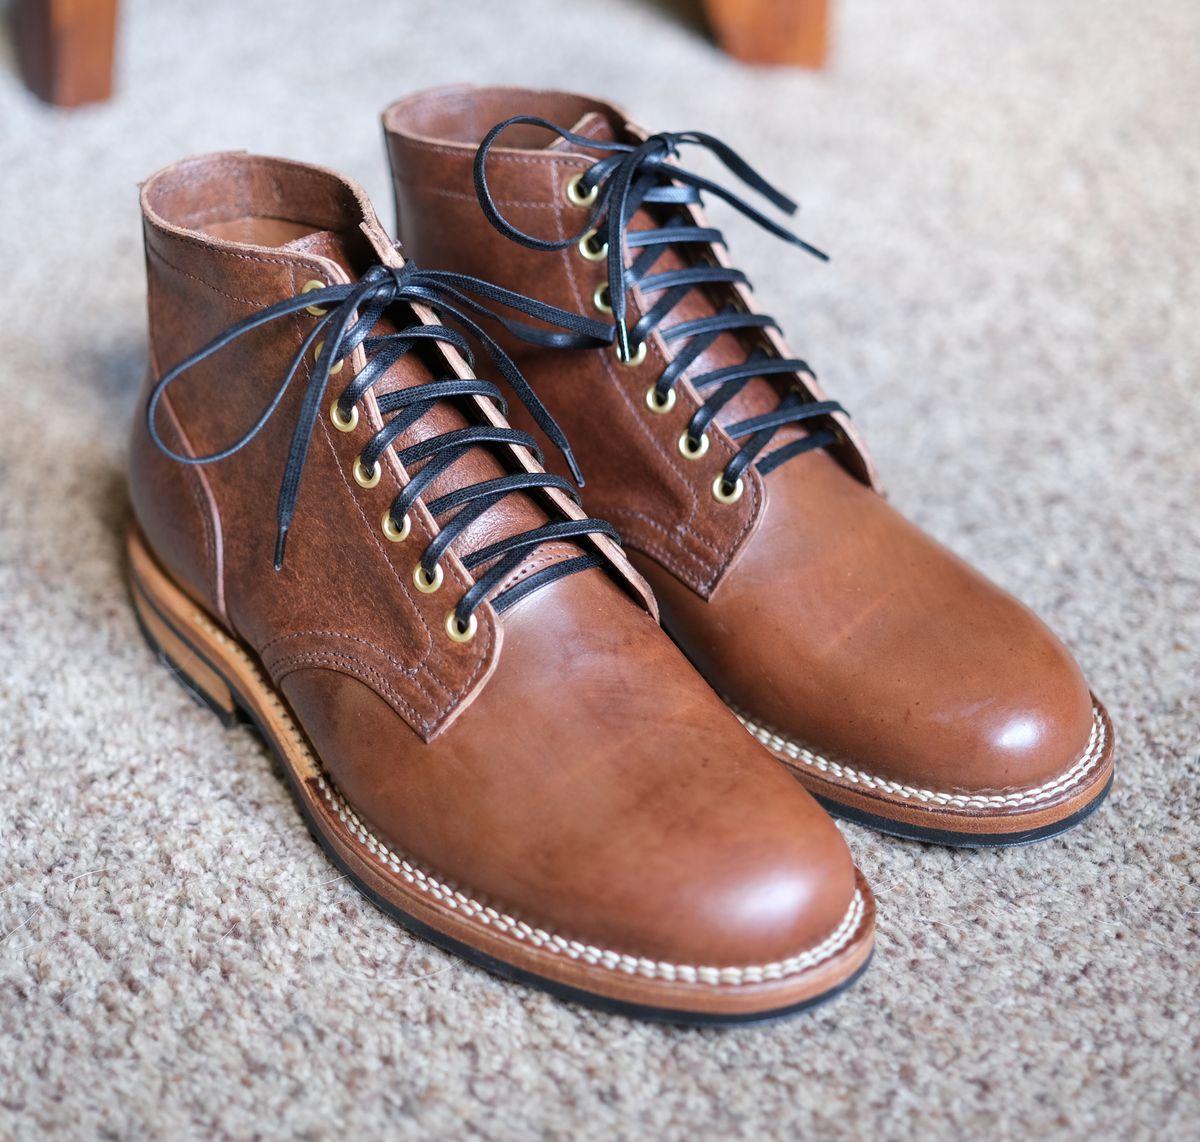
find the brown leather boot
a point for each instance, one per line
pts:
(900, 686)
(462, 676)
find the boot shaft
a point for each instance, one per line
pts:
(642, 471)
(227, 236)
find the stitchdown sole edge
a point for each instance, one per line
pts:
(1087, 761)
(588, 953)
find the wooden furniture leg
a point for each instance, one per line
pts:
(65, 48)
(772, 31)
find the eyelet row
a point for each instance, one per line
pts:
(690, 449)
(346, 422)
(426, 584)
(593, 252)
(588, 246)
(722, 491)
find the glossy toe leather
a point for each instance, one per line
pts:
(668, 833)
(879, 646)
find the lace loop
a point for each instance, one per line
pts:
(350, 313)
(628, 176)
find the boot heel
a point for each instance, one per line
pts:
(188, 667)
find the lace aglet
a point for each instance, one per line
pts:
(576, 473)
(819, 254)
(280, 544)
(623, 342)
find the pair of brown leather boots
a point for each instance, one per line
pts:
(462, 672)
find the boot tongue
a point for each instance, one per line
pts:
(759, 395)
(515, 513)
(325, 244)
(593, 125)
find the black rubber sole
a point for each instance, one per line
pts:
(245, 717)
(965, 840)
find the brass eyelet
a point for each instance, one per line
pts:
(455, 630)
(337, 365)
(659, 405)
(590, 250)
(600, 298)
(724, 494)
(638, 357)
(343, 423)
(424, 583)
(693, 449)
(362, 477)
(577, 198)
(308, 287)
(390, 531)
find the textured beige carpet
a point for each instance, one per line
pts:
(1011, 193)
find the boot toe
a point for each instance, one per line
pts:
(762, 895)
(1015, 724)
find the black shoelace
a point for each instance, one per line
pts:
(346, 316)
(616, 186)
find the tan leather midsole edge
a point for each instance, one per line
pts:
(179, 623)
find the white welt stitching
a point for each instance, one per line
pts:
(614, 961)
(1087, 761)
(501, 922)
